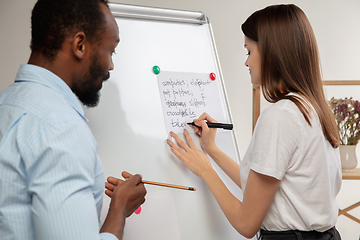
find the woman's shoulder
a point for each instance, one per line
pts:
(284, 114)
(284, 108)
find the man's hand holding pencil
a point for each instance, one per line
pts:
(130, 193)
(126, 197)
(113, 182)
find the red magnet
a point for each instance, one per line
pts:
(137, 211)
(212, 76)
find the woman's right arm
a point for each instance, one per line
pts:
(246, 216)
(207, 142)
(227, 164)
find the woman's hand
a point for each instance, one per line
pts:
(206, 134)
(193, 158)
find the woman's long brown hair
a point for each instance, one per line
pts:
(290, 62)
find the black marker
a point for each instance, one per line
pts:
(227, 126)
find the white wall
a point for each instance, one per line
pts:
(336, 25)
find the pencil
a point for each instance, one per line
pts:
(169, 185)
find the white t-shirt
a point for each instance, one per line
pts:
(286, 147)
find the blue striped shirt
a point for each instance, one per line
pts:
(51, 177)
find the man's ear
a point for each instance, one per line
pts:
(78, 45)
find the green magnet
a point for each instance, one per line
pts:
(156, 70)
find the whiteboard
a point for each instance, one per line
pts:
(128, 123)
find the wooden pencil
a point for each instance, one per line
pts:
(169, 185)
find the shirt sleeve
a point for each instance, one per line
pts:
(275, 140)
(61, 166)
(107, 236)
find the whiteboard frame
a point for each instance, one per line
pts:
(128, 16)
(171, 15)
(160, 14)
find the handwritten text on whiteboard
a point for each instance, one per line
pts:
(186, 96)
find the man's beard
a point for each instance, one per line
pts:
(86, 90)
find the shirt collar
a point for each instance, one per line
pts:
(33, 73)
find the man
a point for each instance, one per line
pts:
(51, 177)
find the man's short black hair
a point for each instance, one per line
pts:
(53, 20)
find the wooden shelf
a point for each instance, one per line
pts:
(351, 175)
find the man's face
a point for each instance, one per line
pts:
(87, 89)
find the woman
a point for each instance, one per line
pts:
(291, 172)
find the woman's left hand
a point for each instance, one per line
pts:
(193, 158)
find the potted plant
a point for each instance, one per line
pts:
(347, 115)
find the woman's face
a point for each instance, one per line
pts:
(253, 62)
